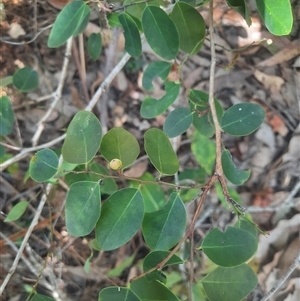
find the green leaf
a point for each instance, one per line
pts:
(247, 226)
(178, 122)
(83, 138)
(232, 173)
(164, 228)
(26, 79)
(151, 107)
(153, 194)
(16, 211)
(94, 45)
(242, 119)
(70, 21)
(6, 116)
(152, 290)
(114, 293)
(43, 165)
(121, 217)
(160, 32)
(39, 297)
(153, 259)
(204, 151)
(185, 18)
(133, 43)
(113, 20)
(160, 152)
(230, 248)
(229, 284)
(202, 120)
(6, 81)
(118, 143)
(241, 7)
(83, 207)
(277, 15)
(126, 263)
(158, 68)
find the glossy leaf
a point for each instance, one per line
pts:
(94, 45)
(16, 211)
(160, 152)
(156, 69)
(160, 32)
(83, 207)
(229, 284)
(247, 226)
(69, 22)
(164, 228)
(152, 290)
(133, 43)
(178, 122)
(230, 248)
(26, 79)
(232, 173)
(241, 7)
(151, 107)
(43, 165)
(185, 18)
(113, 20)
(114, 293)
(153, 194)
(242, 119)
(204, 151)
(6, 116)
(277, 15)
(121, 217)
(120, 144)
(83, 138)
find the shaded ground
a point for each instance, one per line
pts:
(263, 73)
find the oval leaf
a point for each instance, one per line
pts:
(94, 45)
(83, 207)
(242, 119)
(6, 116)
(16, 211)
(133, 43)
(160, 152)
(230, 248)
(232, 173)
(191, 36)
(26, 79)
(83, 138)
(153, 194)
(177, 122)
(114, 293)
(229, 284)
(152, 290)
(118, 143)
(204, 151)
(151, 107)
(121, 217)
(159, 68)
(43, 165)
(160, 32)
(164, 228)
(277, 15)
(68, 22)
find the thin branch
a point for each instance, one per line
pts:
(281, 281)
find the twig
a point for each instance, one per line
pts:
(57, 95)
(280, 282)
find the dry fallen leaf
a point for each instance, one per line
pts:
(270, 82)
(16, 30)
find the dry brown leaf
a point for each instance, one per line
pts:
(270, 82)
(137, 170)
(286, 54)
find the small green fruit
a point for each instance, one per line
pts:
(115, 164)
